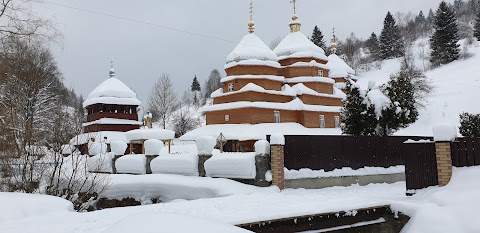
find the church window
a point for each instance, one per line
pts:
(320, 73)
(337, 121)
(322, 121)
(230, 87)
(276, 117)
(227, 117)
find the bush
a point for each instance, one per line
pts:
(470, 125)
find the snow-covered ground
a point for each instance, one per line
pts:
(453, 208)
(456, 87)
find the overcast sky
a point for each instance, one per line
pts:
(142, 52)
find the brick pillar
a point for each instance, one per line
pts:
(444, 162)
(278, 164)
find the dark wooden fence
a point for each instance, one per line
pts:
(420, 166)
(331, 152)
(466, 152)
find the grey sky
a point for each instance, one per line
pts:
(141, 52)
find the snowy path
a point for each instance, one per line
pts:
(235, 209)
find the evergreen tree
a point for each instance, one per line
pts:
(195, 88)
(353, 112)
(470, 125)
(420, 19)
(477, 27)
(317, 38)
(372, 45)
(391, 44)
(443, 43)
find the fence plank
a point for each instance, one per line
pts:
(476, 151)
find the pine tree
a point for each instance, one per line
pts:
(372, 45)
(391, 44)
(353, 111)
(477, 27)
(443, 43)
(420, 19)
(317, 38)
(195, 88)
(430, 18)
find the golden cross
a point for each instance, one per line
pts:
(294, 6)
(251, 10)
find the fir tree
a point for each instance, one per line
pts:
(470, 125)
(372, 45)
(430, 18)
(353, 112)
(195, 88)
(317, 38)
(444, 47)
(477, 27)
(420, 19)
(391, 45)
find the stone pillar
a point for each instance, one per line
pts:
(262, 165)
(148, 168)
(114, 159)
(444, 162)
(201, 164)
(277, 143)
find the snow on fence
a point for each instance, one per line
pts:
(231, 165)
(131, 164)
(182, 160)
(100, 163)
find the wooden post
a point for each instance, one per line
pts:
(131, 148)
(143, 146)
(169, 147)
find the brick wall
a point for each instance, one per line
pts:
(278, 164)
(444, 162)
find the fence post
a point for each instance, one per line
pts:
(277, 143)
(444, 162)
(444, 134)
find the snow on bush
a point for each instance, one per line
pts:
(231, 165)
(118, 147)
(183, 160)
(262, 147)
(95, 148)
(444, 132)
(131, 164)
(100, 163)
(153, 146)
(19, 206)
(277, 139)
(205, 145)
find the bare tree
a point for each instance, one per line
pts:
(163, 100)
(275, 42)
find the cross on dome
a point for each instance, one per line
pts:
(333, 46)
(295, 24)
(251, 24)
(112, 71)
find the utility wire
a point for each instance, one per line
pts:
(145, 23)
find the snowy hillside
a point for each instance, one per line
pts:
(456, 88)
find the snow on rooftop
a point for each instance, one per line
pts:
(252, 87)
(294, 105)
(252, 62)
(268, 77)
(310, 79)
(112, 91)
(296, 45)
(101, 136)
(160, 134)
(251, 47)
(256, 131)
(312, 63)
(113, 121)
(301, 89)
(338, 65)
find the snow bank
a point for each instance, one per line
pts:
(153, 146)
(160, 134)
(306, 173)
(183, 160)
(262, 147)
(118, 147)
(100, 162)
(162, 222)
(102, 136)
(131, 164)
(444, 132)
(205, 145)
(95, 148)
(231, 165)
(19, 206)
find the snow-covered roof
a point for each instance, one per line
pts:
(113, 121)
(297, 45)
(312, 63)
(252, 62)
(160, 134)
(338, 67)
(301, 89)
(269, 77)
(251, 47)
(256, 131)
(252, 87)
(98, 137)
(112, 91)
(309, 79)
(294, 105)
